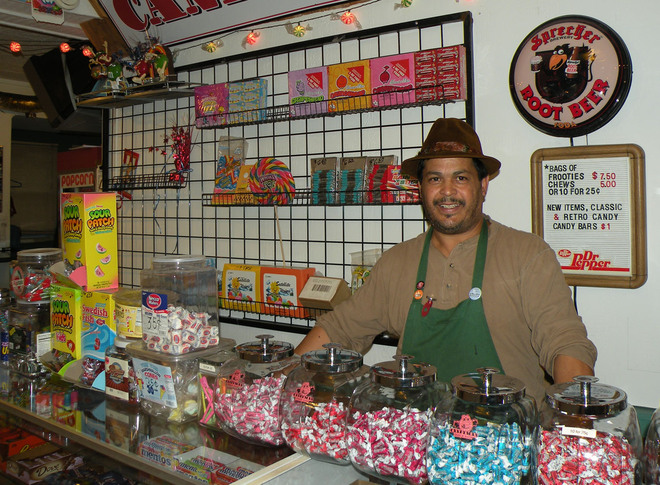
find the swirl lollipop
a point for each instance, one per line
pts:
(271, 182)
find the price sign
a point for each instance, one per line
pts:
(589, 206)
(154, 315)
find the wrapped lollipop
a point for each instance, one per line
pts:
(271, 182)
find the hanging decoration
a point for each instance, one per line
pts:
(64, 47)
(180, 139)
(299, 30)
(210, 47)
(348, 17)
(252, 38)
(406, 3)
(15, 47)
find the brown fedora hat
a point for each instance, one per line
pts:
(451, 138)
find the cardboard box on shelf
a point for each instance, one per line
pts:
(324, 293)
(349, 85)
(280, 287)
(241, 287)
(89, 238)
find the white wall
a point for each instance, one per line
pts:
(622, 323)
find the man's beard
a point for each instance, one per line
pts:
(470, 220)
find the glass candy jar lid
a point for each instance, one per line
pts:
(403, 373)
(487, 386)
(264, 350)
(332, 360)
(584, 397)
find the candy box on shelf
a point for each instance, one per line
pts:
(308, 91)
(347, 80)
(325, 180)
(168, 385)
(89, 238)
(34, 465)
(162, 449)
(215, 467)
(324, 293)
(232, 151)
(98, 323)
(241, 287)
(211, 105)
(247, 100)
(280, 288)
(66, 320)
(394, 75)
(440, 74)
(13, 441)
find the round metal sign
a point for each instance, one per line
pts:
(570, 76)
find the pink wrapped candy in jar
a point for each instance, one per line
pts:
(388, 424)
(248, 389)
(315, 402)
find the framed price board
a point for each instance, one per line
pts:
(589, 204)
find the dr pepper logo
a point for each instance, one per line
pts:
(570, 76)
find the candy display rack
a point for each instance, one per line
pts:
(234, 228)
(144, 93)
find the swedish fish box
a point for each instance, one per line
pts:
(89, 238)
(241, 287)
(66, 320)
(98, 323)
(280, 290)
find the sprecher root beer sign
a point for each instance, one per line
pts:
(570, 76)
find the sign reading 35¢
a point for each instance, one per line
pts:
(570, 76)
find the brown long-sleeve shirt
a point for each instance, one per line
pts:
(527, 303)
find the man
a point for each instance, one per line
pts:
(469, 292)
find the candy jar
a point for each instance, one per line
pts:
(652, 450)
(179, 305)
(387, 428)
(315, 401)
(248, 388)
(485, 433)
(589, 435)
(208, 372)
(31, 278)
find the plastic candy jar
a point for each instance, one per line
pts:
(30, 278)
(316, 399)
(589, 435)
(652, 450)
(209, 367)
(485, 433)
(248, 389)
(387, 428)
(179, 304)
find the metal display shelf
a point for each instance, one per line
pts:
(145, 93)
(331, 107)
(307, 197)
(153, 181)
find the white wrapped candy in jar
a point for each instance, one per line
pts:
(179, 305)
(248, 390)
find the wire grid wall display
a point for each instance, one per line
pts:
(161, 220)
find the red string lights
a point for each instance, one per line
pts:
(252, 38)
(64, 47)
(15, 47)
(348, 17)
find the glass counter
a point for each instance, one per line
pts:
(142, 447)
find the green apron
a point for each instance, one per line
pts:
(457, 340)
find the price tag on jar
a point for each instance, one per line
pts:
(154, 315)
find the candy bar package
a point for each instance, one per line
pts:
(393, 80)
(162, 450)
(212, 466)
(441, 74)
(247, 100)
(211, 105)
(325, 180)
(351, 179)
(349, 85)
(34, 465)
(232, 152)
(308, 91)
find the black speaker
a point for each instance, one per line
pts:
(56, 79)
